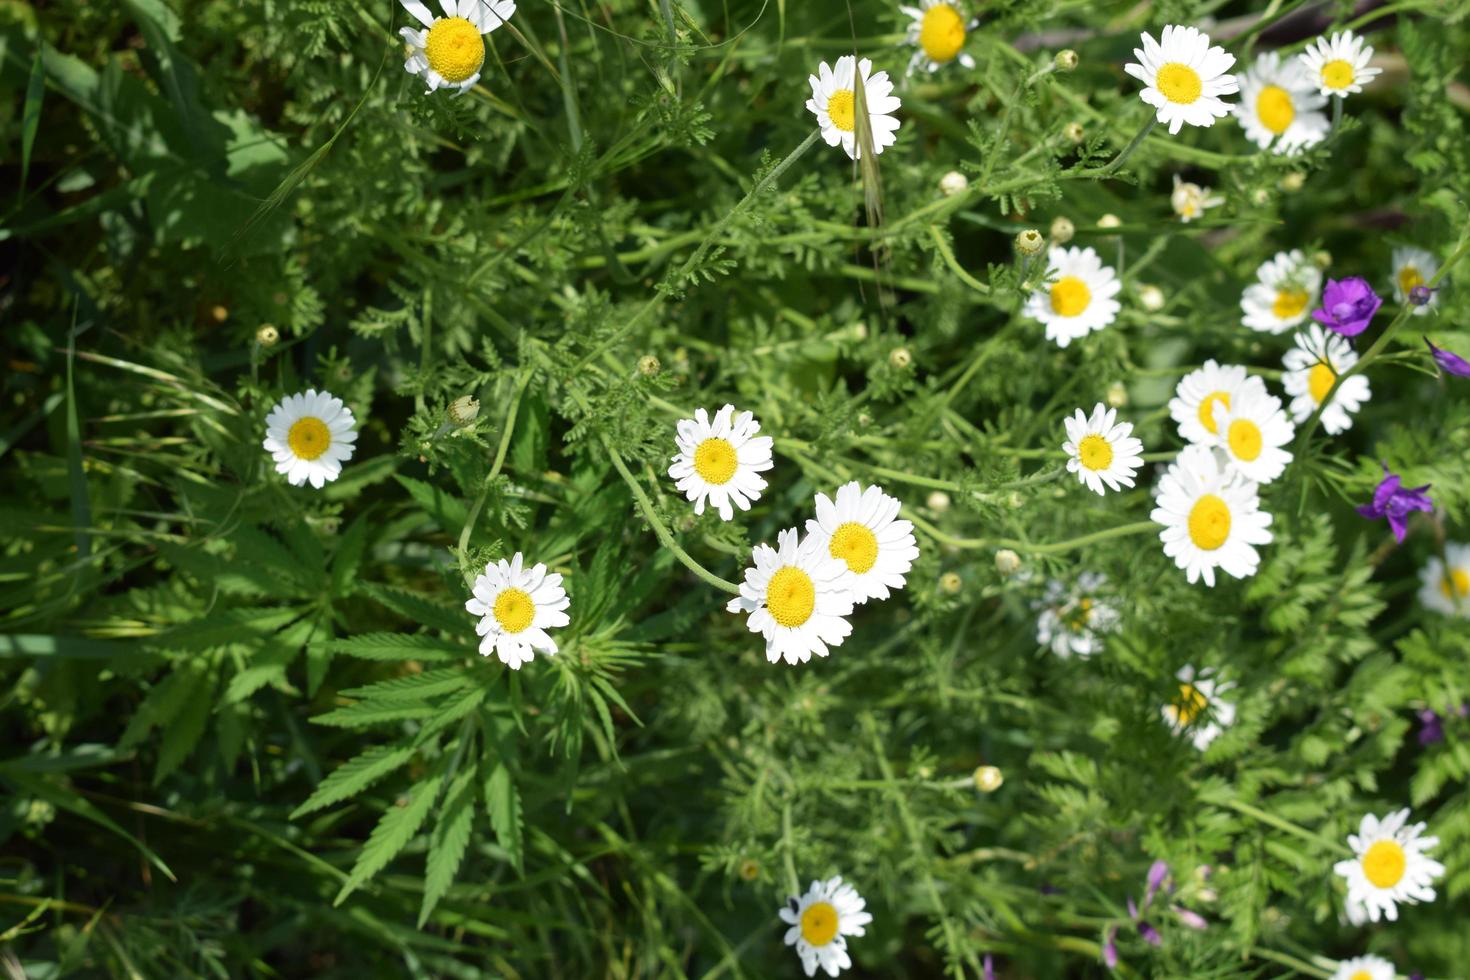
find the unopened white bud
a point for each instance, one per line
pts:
(953, 183)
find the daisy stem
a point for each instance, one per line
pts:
(662, 532)
(788, 845)
(657, 298)
(1301, 966)
(1336, 113)
(1375, 350)
(1127, 151)
(1055, 548)
(479, 504)
(1272, 820)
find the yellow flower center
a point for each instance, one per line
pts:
(1319, 381)
(1384, 864)
(1409, 278)
(1290, 303)
(1337, 74)
(1095, 452)
(715, 460)
(1179, 83)
(819, 923)
(1245, 439)
(309, 437)
(1456, 584)
(1361, 975)
(1209, 522)
(514, 610)
(1275, 109)
(791, 596)
(1191, 704)
(855, 545)
(842, 107)
(1207, 409)
(1070, 296)
(942, 32)
(1081, 615)
(454, 48)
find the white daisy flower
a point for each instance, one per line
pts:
(1189, 201)
(1365, 968)
(1389, 866)
(1193, 404)
(1447, 590)
(1311, 368)
(862, 531)
(1199, 709)
(821, 920)
(1102, 452)
(1413, 267)
(517, 606)
(1072, 620)
(1250, 431)
(310, 435)
(1338, 66)
(1286, 286)
(1081, 297)
(797, 597)
(1279, 105)
(1211, 516)
(718, 462)
(834, 103)
(937, 31)
(1184, 77)
(450, 52)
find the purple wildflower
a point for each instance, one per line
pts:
(1449, 363)
(1192, 919)
(1150, 934)
(1391, 500)
(1431, 727)
(1421, 295)
(1347, 306)
(1157, 872)
(1110, 948)
(989, 965)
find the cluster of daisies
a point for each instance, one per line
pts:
(798, 594)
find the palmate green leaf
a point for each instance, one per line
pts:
(397, 646)
(392, 834)
(445, 509)
(165, 701)
(356, 775)
(183, 732)
(364, 715)
(414, 687)
(419, 608)
(447, 714)
(503, 804)
(347, 558)
(225, 627)
(448, 842)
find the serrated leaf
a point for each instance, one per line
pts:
(414, 687)
(503, 804)
(397, 646)
(363, 715)
(419, 608)
(448, 842)
(392, 834)
(224, 627)
(182, 734)
(347, 559)
(446, 510)
(355, 775)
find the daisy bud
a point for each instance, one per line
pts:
(1322, 259)
(1293, 181)
(1260, 197)
(988, 779)
(900, 357)
(1062, 231)
(950, 583)
(749, 870)
(938, 501)
(267, 336)
(1066, 60)
(463, 410)
(1109, 221)
(1151, 298)
(953, 183)
(1030, 242)
(860, 330)
(1007, 562)
(648, 365)
(220, 313)
(1074, 132)
(1117, 395)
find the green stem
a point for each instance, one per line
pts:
(1285, 825)
(789, 847)
(1055, 548)
(658, 297)
(1127, 151)
(479, 504)
(946, 253)
(662, 532)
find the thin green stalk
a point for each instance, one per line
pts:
(1055, 548)
(1279, 823)
(657, 298)
(479, 504)
(662, 532)
(1127, 151)
(788, 848)
(426, 351)
(946, 253)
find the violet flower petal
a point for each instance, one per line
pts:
(1448, 362)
